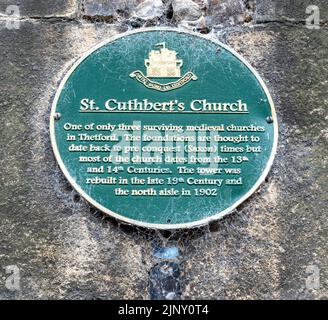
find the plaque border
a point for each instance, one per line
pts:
(187, 225)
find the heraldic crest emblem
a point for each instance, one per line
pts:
(163, 64)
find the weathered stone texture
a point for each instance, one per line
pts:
(186, 10)
(118, 9)
(42, 8)
(60, 248)
(288, 10)
(63, 247)
(199, 14)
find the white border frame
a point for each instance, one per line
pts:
(154, 225)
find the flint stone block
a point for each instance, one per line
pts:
(108, 8)
(186, 10)
(149, 9)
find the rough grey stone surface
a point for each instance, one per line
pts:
(65, 249)
(199, 14)
(149, 9)
(42, 8)
(62, 250)
(288, 10)
(229, 12)
(164, 282)
(186, 10)
(108, 8)
(118, 10)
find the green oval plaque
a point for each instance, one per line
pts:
(163, 128)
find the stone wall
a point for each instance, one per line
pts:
(274, 246)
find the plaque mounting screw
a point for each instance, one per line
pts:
(57, 116)
(269, 119)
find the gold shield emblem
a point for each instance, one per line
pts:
(163, 63)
